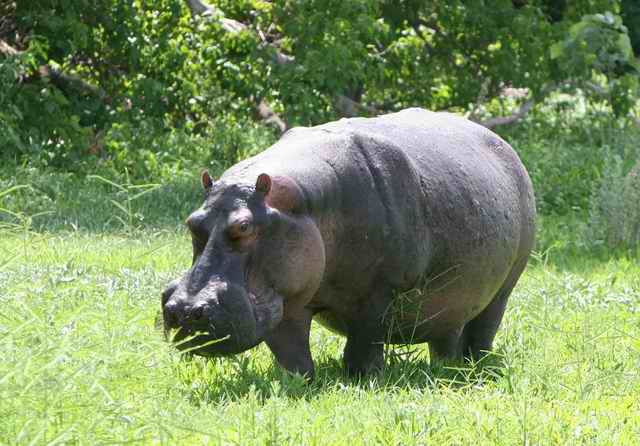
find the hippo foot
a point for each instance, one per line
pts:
(361, 358)
(289, 342)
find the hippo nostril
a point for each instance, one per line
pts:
(169, 290)
(170, 314)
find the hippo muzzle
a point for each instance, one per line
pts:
(220, 319)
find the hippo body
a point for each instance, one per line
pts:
(406, 228)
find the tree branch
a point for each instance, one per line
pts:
(269, 117)
(199, 8)
(232, 26)
(264, 111)
(517, 115)
(64, 81)
(482, 94)
(57, 77)
(7, 18)
(7, 49)
(350, 108)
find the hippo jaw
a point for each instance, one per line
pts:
(226, 329)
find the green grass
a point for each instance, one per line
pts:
(82, 362)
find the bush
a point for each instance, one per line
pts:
(150, 149)
(614, 218)
(74, 70)
(564, 145)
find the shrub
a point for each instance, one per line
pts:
(564, 145)
(150, 149)
(614, 219)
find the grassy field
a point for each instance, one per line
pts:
(82, 362)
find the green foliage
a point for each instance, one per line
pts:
(331, 42)
(155, 69)
(614, 219)
(155, 92)
(457, 53)
(23, 130)
(600, 43)
(565, 145)
(151, 148)
(630, 11)
(88, 75)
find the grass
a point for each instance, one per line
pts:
(82, 362)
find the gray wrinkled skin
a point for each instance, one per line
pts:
(351, 215)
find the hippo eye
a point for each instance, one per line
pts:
(241, 229)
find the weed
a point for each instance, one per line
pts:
(127, 194)
(614, 219)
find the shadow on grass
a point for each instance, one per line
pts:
(251, 381)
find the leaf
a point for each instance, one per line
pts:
(556, 50)
(122, 221)
(104, 180)
(140, 194)
(623, 43)
(13, 214)
(119, 206)
(144, 186)
(13, 189)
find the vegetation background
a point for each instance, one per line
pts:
(109, 109)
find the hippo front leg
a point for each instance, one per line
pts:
(289, 342)
(363, 353)
(364, 350)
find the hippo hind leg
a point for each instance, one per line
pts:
(363, 354)
(478, 334)
(475, 339)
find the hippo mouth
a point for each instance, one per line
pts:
(228, 334)
(206, 344)
(200, 343)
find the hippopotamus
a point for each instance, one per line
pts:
(411, 227)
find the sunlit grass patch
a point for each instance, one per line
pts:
(83, 362)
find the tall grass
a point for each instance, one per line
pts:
(83, 364)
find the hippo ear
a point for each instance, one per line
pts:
(285, 195)
(263, 183)
(207, 182)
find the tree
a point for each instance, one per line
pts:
(93, 65)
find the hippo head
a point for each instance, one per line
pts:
(253, 251)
